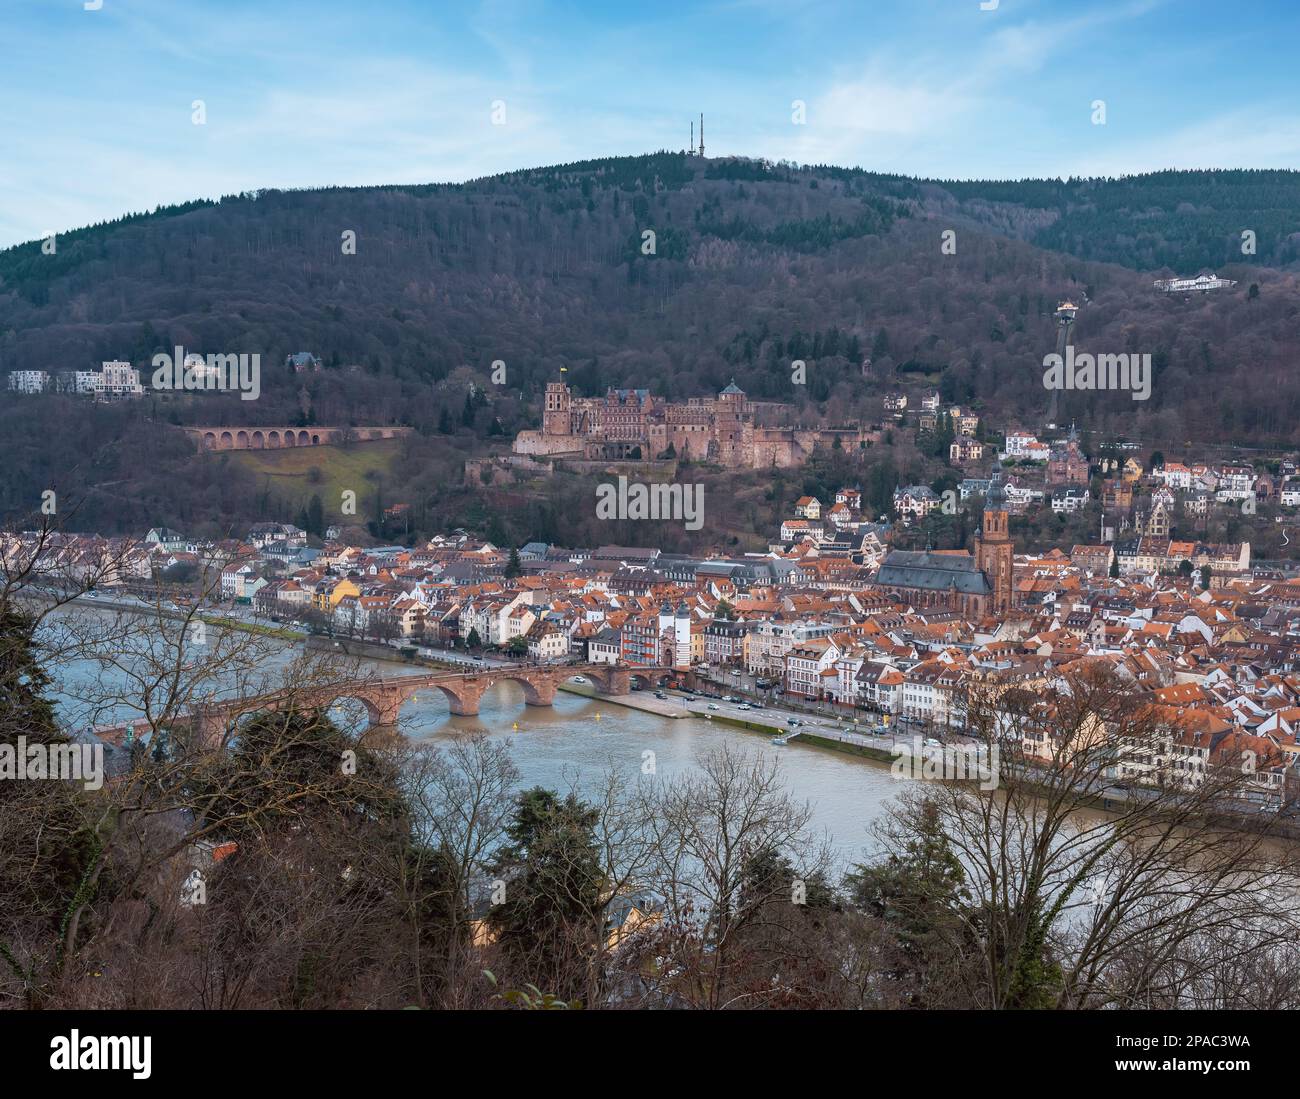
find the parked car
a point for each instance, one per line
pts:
(745, 706)
(713, 706)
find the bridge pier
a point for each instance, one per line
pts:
(542, 694)
(381, 736)
(210, 730)
(464, 701)
(384, 708)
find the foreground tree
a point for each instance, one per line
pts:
(1075, 892)
(917, 891)
(553, 886)
(727, 841)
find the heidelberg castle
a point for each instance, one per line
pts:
(632, 424)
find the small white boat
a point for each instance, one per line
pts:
(779, 740)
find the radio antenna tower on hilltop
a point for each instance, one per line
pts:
(701, 134)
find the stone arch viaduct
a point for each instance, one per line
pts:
(279, 438)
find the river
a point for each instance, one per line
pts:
(578, 738)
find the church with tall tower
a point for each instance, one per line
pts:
(976, 586)
(993, 549)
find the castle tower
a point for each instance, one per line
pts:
(993, 548)
(733, 397)
(556, 412)
(729, 426)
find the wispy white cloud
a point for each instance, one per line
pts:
(1250, 137)
(314, 92)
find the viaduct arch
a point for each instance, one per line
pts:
(280, 437)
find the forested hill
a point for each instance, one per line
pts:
(546, 267)
(1180, 221)
(753, 265)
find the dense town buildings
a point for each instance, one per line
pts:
(887, 639)
(831, 612)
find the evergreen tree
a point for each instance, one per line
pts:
(315, 517)
(24, 708)
(769, 876)
(921, 895)
(302, 750)
(554, 888)
(513, 568)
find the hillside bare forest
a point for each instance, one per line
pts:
(754, 266)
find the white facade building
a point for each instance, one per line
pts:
(1200, 285)
(1024, 444)
(118, 380)
(29, 381)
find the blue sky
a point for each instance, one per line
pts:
(95, 106)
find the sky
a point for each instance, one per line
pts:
(98, 103)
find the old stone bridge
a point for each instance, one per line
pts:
(383, 696)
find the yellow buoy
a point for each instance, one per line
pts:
(515, 725)
(597, 715)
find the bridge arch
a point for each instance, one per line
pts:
(259, 440)
(227, 441)
(540, 693)
(273, 440)
(383, 697)
(241, 440)
(596, 677)
(375, 715)
(209, 440)
(303, 440)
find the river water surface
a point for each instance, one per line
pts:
(574, 741)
